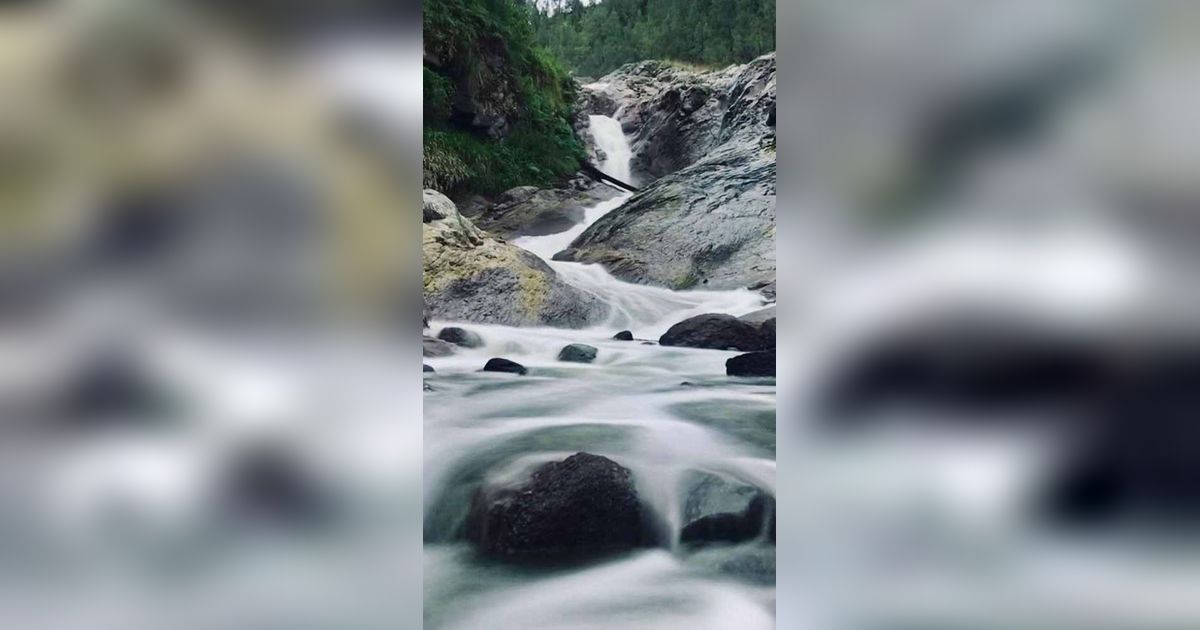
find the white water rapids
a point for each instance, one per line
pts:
(629, 405)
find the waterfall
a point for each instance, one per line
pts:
(611, 140)
(650, 310)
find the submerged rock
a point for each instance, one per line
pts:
(583, 505)
(431, 347)
(578, 353)
(752, 364)
(472, 276)
(734, 527)
(460, 337)
(504, 365)
(715, 331)
(624, 335)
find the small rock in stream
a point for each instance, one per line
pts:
(578, 353)
(624, 335)
(461, 337)
(752, 364)
(504, 365)
(425, 367)
(734, 527)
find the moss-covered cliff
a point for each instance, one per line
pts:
(496, 106)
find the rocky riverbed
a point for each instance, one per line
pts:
(600, 440)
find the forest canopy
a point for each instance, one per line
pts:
(595, 39)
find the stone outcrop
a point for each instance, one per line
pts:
(708, 220)
(470, 275)
(530, 211)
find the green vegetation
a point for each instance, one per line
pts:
(597, 38)
(497, 107)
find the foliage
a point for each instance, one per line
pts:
(597, 38)
(481, 55)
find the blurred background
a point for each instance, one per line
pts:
(209, 386)
(208, 381)
(988, 235)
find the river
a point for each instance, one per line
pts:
(629, 405)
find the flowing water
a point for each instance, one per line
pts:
(630, 405)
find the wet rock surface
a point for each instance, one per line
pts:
(460, 337)
(578, 353)
(504, 365)
(752, 364)
(749, 523)
(715, 331)
(583, 505)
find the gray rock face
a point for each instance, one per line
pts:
(470, 275)
(710, 221)
(528, 211)
(678, 116)
(578, 353)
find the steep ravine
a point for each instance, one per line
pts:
(702, 145)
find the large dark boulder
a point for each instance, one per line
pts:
(504, 365)
(578, 353)
(460, 337)
(752, 364)
(583, 505)
(716, 331)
